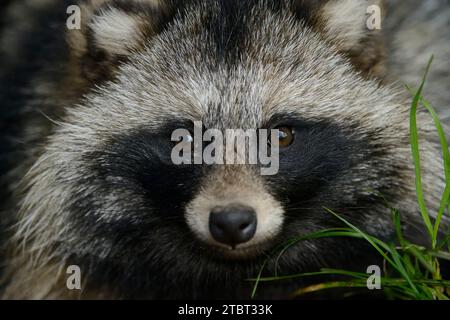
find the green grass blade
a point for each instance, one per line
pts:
(414, 140)
(326, 233)
(443, 141)
(396, 262)
(257, 280)
(445, 202)
(323, 272)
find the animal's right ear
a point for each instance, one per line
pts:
(111, 30)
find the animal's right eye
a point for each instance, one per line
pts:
(286, 136)
(187, 138)
(182, 136)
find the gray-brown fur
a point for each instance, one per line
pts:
(77, 181)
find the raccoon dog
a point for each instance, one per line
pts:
(87, 118)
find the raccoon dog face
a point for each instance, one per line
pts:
(105, 194)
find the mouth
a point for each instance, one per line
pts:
(239, 252)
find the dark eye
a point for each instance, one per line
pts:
(286, 136)
(186, 138)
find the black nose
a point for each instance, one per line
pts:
(232, 224)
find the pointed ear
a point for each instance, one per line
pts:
(351, 25)
(110, 31)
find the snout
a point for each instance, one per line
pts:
(236, 221)
(233, 224)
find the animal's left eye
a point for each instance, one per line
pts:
(286, 136)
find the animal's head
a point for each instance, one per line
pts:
(106, 188)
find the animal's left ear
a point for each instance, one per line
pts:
(354, 27)
(111, 30)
